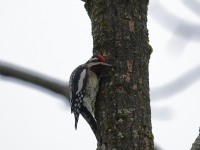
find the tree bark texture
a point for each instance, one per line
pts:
(196, 144)
(119, 29)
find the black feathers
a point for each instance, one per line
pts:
(78, 79)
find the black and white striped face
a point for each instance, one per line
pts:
(97, 63)
(96, 58)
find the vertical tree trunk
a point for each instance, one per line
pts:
(119, 29)
(196, 144)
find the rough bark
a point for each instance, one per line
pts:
(119, 30)
(196, 144)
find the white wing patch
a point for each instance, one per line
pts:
(80, 82)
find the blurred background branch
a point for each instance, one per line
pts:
(54, 85)
(182, 30)
(178, 85)
(193, 5)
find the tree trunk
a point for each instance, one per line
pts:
(119, 29)
(196, 144)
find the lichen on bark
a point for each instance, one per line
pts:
(119, 30)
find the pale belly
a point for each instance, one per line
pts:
(90, 98)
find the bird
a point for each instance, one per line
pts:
(83, 88)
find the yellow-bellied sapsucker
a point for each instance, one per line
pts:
(84, 85)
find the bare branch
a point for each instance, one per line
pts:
(46, 82)
(182, 28)
(176, 86)
(193, 5)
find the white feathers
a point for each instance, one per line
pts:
(90, 96)
(93, 59)
(80, 82)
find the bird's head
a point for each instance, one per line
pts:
(97, 63)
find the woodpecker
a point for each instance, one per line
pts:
(84, 85)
